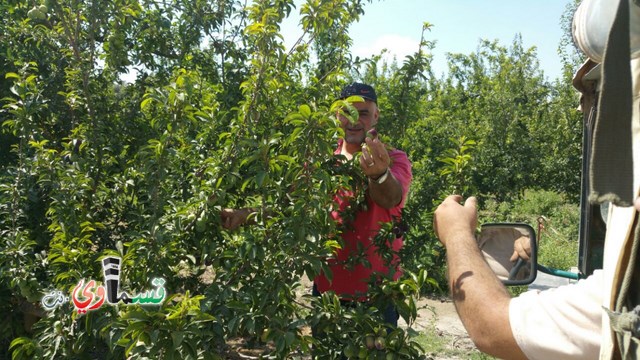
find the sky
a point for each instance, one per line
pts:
(458, 26)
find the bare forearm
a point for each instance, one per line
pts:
(472, 282)
(480, 298)
(388, 194)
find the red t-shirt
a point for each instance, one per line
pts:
(353, 281)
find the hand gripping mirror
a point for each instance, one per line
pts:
(511, 251)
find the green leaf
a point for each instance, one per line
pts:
(177, 337)
(305, 111)
(289, 338)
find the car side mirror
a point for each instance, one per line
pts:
(497, 241)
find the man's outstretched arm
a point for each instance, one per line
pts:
(480, 298)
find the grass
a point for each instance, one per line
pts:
(558, 246)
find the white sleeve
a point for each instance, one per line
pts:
(559, 323)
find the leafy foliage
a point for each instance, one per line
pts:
(554, 218)
(217, 113)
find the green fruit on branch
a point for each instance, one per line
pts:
(370, 342)
(350, 351)
(36, 14)
(31, 14)
(201, 224)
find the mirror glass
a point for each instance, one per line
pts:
(511, 251)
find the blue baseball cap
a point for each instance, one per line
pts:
(359, 89)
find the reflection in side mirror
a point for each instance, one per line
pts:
(497, 243)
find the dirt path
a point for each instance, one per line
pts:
(437, 317)
(440, 311)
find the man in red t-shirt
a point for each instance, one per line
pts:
(389, 177)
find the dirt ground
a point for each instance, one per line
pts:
(440, 311)
(438, 316)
